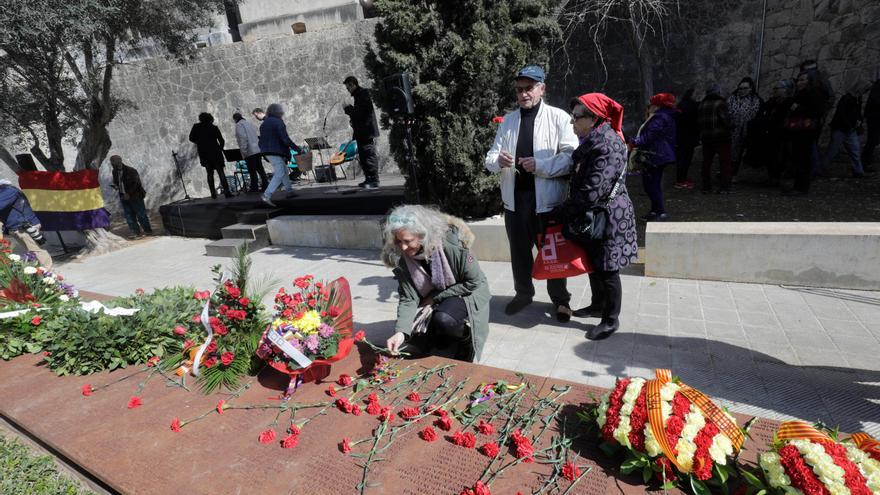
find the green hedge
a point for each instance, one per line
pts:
(24, 473)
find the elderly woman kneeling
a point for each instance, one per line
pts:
(444, 296)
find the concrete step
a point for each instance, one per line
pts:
(227, 248)
(249, 231)
(257, 215)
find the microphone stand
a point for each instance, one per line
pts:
(324, 135)
(179, 174)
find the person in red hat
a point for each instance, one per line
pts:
(656, 141)
(599, 180)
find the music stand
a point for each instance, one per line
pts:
(320, 143)
(234, 156)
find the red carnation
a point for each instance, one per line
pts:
(36, 320)
(479, 489)
(853, 478)
(356, 409)
(226, 358)
(187, 344)
(221, 406)
(799, 472)
(344, 380)
(612, 416)
(197, 319)
(372, 397)
(220, 328)
(485, 428)
(210, 362)
(201, 295)
(386, 414)
(331, 391)
(361, 335)
(466, 440)
(212, 348)
(343, 404)
(244, 301)
(408, 413)
(153, 361)
(233, 291)
(334, 311)
(497, 119)
(175, 425)
(134, 402)
(638, 419)
(524, 448)
(87, 390)
(428, 434)
(702, 459)
(438, 411)
(444, 423)
(570, 471)
(289, 441)
(414, 397)
(345, 445)
(373, 408)
(267, 436)
(490, 449)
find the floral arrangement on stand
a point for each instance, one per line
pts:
(24, 283)
(670, 432)
(810, 460)
(312, 328)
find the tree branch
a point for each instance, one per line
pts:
(76, 72)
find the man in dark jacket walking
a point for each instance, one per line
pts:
(844, 130)
(715, 133)
(127, 182)
(275, 144)
(209, 143)
(366, 130)
(872, 118)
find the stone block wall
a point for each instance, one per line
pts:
(303, 72)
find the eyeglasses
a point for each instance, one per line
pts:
(525, 89)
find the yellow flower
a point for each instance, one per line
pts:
(309, 322)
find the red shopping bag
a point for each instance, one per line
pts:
(559, 257)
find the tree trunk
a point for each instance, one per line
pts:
(646, 73)
(100, 241)
(93, 147)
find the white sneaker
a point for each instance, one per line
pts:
(268, 201)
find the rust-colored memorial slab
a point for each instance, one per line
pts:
(135, 451)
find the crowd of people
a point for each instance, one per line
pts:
(779, 135)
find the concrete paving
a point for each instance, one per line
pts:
(774, 351)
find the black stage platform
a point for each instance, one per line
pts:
(205, 217)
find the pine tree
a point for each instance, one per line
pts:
(462, 56)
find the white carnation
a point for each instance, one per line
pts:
(63, 298)
(48, 280)
(776, 476)
(830, 474)
(14, 257)
(29, 270)
(721, 448)
(652, 447)
(869, 467)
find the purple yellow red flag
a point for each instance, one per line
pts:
(66, 200)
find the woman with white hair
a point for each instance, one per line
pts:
(444, 296)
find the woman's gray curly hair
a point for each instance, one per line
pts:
(428, 223)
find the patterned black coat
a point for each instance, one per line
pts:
(598, 162)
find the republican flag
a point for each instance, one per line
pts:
(66, 200)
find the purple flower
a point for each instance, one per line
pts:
(29, 256)
(296, 344)
(264, 350)
(325, 330)
(312, 343)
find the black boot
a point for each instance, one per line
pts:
(591, 311)
(603, 330)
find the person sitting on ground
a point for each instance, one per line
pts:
(19, 222)
(275, 144)
(599, 179)
(127, 182)
(444, 296)
(656, 139)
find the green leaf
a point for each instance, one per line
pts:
(360, 385)
(698, 487)
(751, 479)
(647, 473)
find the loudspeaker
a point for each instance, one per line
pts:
(399, 90)
(325, 173)
(26, 162)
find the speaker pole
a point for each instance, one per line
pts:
(179, 174)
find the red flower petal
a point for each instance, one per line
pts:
(466, 439)
(428, 434)
(267, 436)
(175, 425)
(331, 391)
(408, 413)
(345, 445)
(485, 428)
(570, 471)
(444, 423)
(134, 402)
(87, 390)
(289, 441)
(220, 405)
(490, 449)
(344, 380)
(414, 397)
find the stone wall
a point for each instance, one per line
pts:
(302, 72)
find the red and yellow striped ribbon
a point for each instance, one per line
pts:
(801, 430)
(711, 411)
(868, 444)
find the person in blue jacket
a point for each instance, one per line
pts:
(656, 139)
(21, 223)
(275, 145)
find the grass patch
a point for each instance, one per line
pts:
(24, 473)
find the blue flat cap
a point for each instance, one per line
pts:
(532, 72)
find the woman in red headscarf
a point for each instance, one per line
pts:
(656, 140)
(599, 179)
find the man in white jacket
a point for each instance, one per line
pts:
(532, 151)
(248, 143)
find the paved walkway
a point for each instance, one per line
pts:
(778, 352)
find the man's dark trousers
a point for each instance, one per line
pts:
(369, 159)
(522, 234)
(255, 170)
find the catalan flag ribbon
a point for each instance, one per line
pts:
(867, 444)
(801, 430)
(66, 200)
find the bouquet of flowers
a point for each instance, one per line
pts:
(670, 432)
(23, 282)
(805, 459)
(312, 326)
(222, 338)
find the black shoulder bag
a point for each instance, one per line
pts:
(591, 225)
